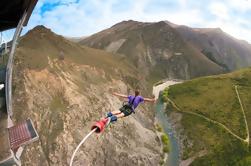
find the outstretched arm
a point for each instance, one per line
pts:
(152, 100)
(120, 95)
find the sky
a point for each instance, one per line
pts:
(76, 18)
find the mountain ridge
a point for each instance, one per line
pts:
(152, 47)
(224, 48)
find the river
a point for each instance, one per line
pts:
(164, 121)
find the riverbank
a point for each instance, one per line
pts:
(160, 87)
(173, 158)
(160, 132)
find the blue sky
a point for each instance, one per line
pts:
(85, 17)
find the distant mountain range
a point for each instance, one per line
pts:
(218, 46)
(163, 49)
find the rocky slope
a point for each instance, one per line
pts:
(217, 45)
(157, 50)
(64, 87)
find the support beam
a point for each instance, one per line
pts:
(8, 86)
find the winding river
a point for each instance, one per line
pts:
(164, 121)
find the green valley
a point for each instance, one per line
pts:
(213, 121)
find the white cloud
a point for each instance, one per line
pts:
(186, 17)
(183, 3)
(233, 29)
(230, 18)
(219, 10)
(240, 5)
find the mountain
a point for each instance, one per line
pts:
(156, 49)
(64, 88)
(217, 45)
(212, 118)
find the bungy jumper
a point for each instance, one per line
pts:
(126, 110)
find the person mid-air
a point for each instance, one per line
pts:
(129, 107)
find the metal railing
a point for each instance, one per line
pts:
(8, 79)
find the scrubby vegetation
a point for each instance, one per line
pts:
(158, 128)
(164, 96)
(164, 138)
(161, 162)
(165, 141)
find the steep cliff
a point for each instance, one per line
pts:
(64, 88)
